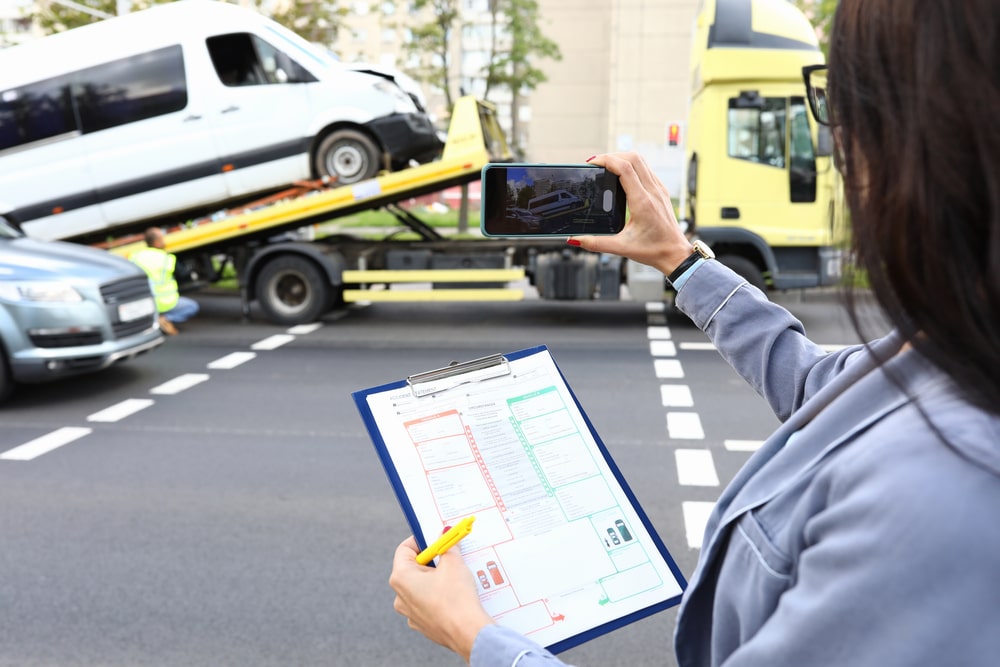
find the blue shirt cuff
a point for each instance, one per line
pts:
(681, 279)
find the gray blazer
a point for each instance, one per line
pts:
(855, 535)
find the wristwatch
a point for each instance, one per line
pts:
(701, 251)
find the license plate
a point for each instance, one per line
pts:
(133, 310)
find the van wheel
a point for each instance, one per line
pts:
(746, 269)
(293, 290)
(348, 155)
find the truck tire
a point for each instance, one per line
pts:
(347, 155)
(745, 268)
(293, 290)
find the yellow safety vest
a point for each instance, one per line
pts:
(159, 266)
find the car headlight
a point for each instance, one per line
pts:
(402, 103)
(38, 291)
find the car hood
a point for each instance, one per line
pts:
(28, 259)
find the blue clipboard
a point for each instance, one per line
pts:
(466, 377)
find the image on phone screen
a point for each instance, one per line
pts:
(551, 200)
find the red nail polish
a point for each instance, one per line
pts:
(591, 158)
(446, 529)
(572, 242)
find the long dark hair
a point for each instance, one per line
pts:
(915, 92)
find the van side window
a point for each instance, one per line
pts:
(34, 112)
(801, 156)
(758, 134)
(242, 59)
(131, 89)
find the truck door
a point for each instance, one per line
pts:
(148, 143)
(260, 109)
(754, 176)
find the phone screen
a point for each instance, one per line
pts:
(550, 200)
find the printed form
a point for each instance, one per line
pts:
(557, 547)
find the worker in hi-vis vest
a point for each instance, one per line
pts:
(159, 265)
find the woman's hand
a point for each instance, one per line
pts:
(651, 236)
(442, 603)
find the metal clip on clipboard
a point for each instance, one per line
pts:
(449, 377)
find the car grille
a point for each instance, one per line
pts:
(123, 291)
(66, 339)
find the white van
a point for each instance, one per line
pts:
(179, 108)
(553, 203)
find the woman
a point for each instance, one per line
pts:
(865, 530)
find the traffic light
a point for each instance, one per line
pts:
(674, 134)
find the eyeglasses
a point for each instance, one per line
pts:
(816, 90)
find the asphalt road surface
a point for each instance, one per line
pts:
(218, 501)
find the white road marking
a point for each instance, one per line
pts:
(45, 443)
(662, 348)
(695, 519)
(676, 396)
(272, 342)
(231, 361)
(698, 346)
(656, 318)
(684, 426)
(655, 307)
(743, 445)
(302, 329)
(121, 410)
(180, 383)
(695, 467)
(658, 333)
(668, 368)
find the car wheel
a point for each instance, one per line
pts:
(347, 155)
(293, 290)
(745, 268)
(6, 379)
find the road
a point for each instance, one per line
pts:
(218, 502)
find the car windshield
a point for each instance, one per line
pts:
(8, 231)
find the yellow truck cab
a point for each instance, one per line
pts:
(760, 183)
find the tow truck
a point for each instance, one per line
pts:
(297, 280)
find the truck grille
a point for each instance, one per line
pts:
(123, 291)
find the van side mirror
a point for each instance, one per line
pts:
(824, 142)
(749, 99)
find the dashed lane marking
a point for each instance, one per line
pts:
(120, 411)
(231, 361)
(684, 426)
(662, 348)
(658, 333)
(45, 443)
(302, 329)
(180, 383)
(695, 467)
(272, 342)
(743, 445)
(695, 519)
(668, 368)
(676, 396)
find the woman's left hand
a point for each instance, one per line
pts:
(440, 602)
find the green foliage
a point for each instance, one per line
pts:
(820, 14)
(517, 42)
(435, 38)
(318, 22)
(53, 17)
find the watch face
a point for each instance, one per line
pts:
(702, 249)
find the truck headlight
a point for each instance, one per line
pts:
(33, 290)
(402, 103)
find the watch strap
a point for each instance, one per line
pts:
(684, 266)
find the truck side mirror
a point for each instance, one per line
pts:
(824, 142)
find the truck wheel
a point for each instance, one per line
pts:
(745, 268)
(293, 290)
(348, 155)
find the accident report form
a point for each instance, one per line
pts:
(560, 549)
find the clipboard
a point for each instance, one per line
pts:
(561, 550)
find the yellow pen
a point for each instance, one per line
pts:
(452, 537)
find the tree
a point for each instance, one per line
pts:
(54, 17)
(436, 38)
(820, 13)
(315, 20)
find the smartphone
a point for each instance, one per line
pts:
(550, 200)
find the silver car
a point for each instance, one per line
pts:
(67, 309)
